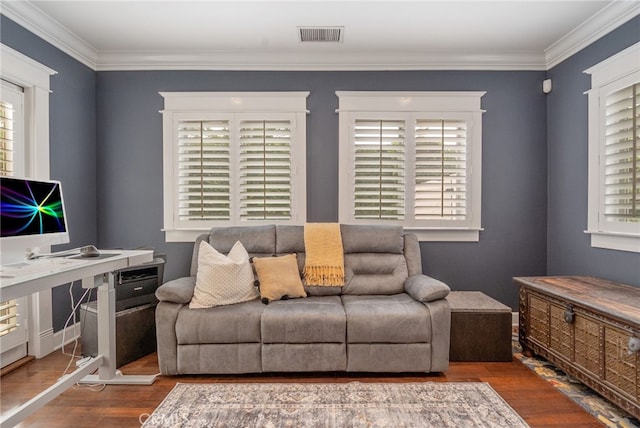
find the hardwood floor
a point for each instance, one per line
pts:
(533, 398)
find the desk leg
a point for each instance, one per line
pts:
(107, 373)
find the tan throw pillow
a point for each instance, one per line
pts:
(278, 277)
(222, 280)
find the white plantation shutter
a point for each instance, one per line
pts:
(204, 170)
(379, 169)
(622, 155)
(265, 170)
(8, 317)
(6, 138)
(440, 170)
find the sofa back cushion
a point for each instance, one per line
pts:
(372, 239)
(257, 240)
(374, 261)
(374, 273)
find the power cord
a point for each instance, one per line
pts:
(97, 387)
(74, 307)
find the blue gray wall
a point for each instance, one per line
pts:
(534, 164)
(569, 248)
(514, 162)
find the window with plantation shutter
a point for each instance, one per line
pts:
(622, 155)
(10, 104)
(379, 169)
(12, 163)
(413, 159)
(12, 153)
(614, 152)
(204, 170)
(233, 159)
(441, 170)
(6, 138)
(265, 170)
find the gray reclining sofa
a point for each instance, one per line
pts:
(388, 317)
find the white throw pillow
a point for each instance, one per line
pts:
(223, 280)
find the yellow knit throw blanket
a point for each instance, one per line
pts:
(324, 264)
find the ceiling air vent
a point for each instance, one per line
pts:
(321, 34)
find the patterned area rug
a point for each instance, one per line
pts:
(355, 404)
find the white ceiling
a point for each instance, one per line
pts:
(241, 34)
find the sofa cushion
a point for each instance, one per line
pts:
(289, 239)
(239, 323)
(256, 239)
(372, 239)
(223, 280)
(386, 319)
(311, 320)
(374, 273)
(278, 277)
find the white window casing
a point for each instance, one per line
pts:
(414, 159)
(33, 157)
(231, 159)
(614, 152)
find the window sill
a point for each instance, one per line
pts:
(183, 235)
(615, 241)
(428, 235)
(446, 234)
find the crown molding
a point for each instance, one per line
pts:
(603, 22)
(296, 61)
(33, 19)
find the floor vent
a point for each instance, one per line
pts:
(321, 34)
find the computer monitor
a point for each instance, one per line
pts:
(31, 216)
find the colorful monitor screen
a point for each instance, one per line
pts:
(30, 207)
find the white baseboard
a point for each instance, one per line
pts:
(13, 355)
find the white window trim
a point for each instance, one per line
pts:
(624, 66)
(35, 79)
(199, 105)
(455, 103)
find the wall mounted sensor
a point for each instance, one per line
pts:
(546, 86)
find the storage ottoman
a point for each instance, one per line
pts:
(480, 328)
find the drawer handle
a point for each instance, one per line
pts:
(633, 345)
(138, 288)
(569, 315)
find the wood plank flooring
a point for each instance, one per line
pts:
(539, 404)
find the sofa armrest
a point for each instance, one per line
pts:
(177, 291)
(424, 289)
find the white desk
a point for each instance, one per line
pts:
(94, 273)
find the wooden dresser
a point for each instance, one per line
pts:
(588, 327)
